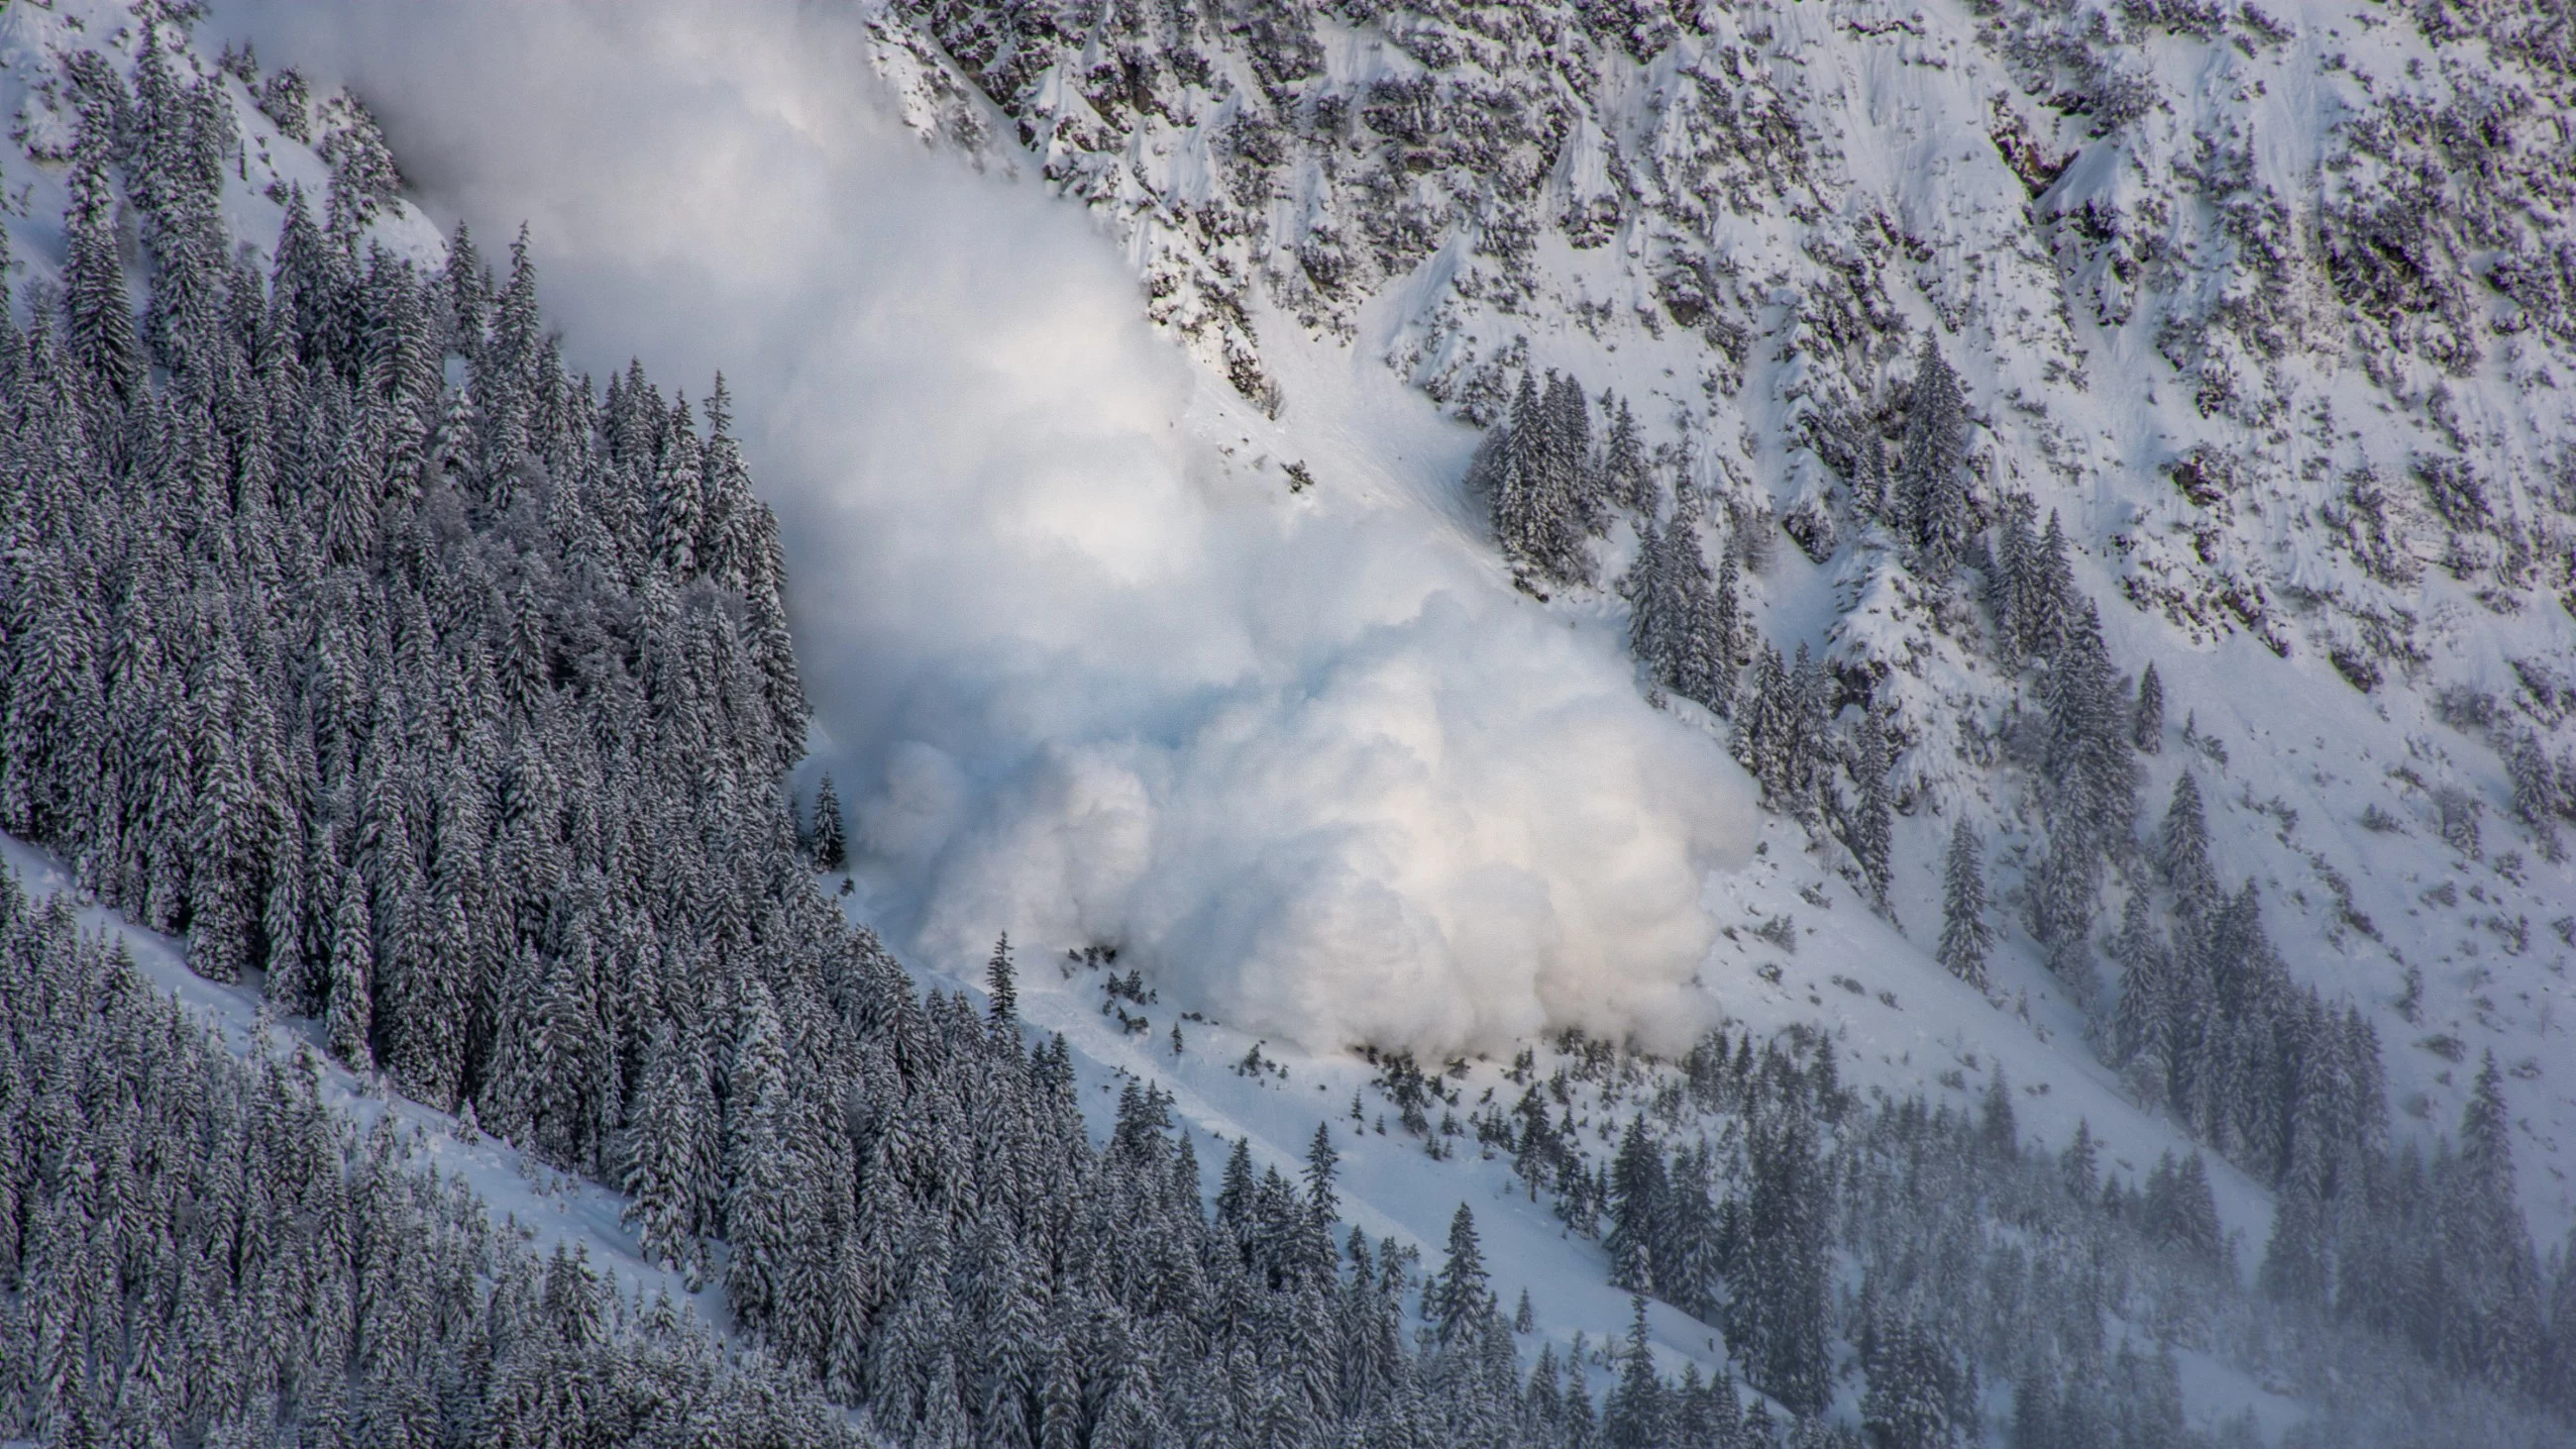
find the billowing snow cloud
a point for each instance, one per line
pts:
(1084, 674)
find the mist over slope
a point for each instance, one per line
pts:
(1084, 664)
(2268, 305)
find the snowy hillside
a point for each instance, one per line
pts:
(2271, 308)
(1335, 708)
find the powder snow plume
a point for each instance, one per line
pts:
(1083, 676)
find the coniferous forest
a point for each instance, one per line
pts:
(447, 696)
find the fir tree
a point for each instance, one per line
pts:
(1872, 819)
(1966, 936)
(2182, 850)
(353, 952)
(1637, 1209)
(1636, 1416)
(1932, 468)
(1775, 1318)
(759, 1173)
(1001, 984)
(2142, 1022)
(2147, 715)
(1321, 1161)
(1456, 1299)
(831, 842)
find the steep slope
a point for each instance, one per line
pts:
(1799, 945)
(346, 1250)
(319, 572)
(2269, 309)
(2269, 306)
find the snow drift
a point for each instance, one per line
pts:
(1087, 673)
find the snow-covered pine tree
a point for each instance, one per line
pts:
(1775, 1316)
(1539, 480)
(1703, 648)
(1806, 712)
(1966, 935)
(1638, 1207)
(99, 317)
(2046, 603)
(1914, 1397)
(2147, 715)
(1932, 468)
(2294, 1270)
(1627, 482)
(1456, 1299)
(2016, 546)
(1647, 590)
(1637, 1414)
(2182, 851)
(351, 1010)
(1678, 623)
(1871, 821)
(1001, 984)
(679, 493)
(1577, 481)
(1763, 729)
(2141, 1021)
(2089, 795)
(760, 1172)
(1690, 1246)
(2494, 1329)
(1513, 473)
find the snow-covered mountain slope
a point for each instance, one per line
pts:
(1108, 669)
(2270, 305)
(550, 1207)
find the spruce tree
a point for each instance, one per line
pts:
(1932, 468)
(663, 1159)
(1626, 480)
(1913, 1396)
(1775, 1317)
(1872, 818)
(2048, 601)
(831, 836)
(2009, 591)
(1966, 936)
(760, 1173)
(1637, 1210)
(1001, 984)
(2294, 1270)
(100, 317)
(2147, 715)
(2182, 851)
(2493, 1329)
(1636, 1416)
(1649, 615)
(1540, 482)
(1321, 1162)
(353, 959)
(2142, 1020)
(1454, 1301)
